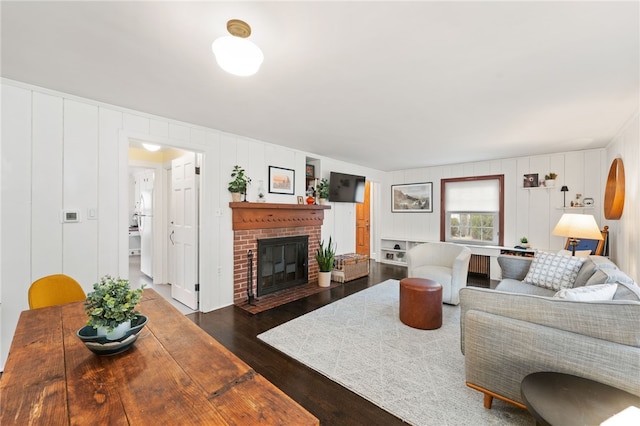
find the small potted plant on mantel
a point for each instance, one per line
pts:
(111, 307)
(238, 185)
(325, 257)
(550, 180)
(322, 190)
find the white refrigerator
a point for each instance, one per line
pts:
(145, 226)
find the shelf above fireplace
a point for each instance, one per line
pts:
(273, 215)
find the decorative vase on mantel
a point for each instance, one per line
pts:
(261, 192)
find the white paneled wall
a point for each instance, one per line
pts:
(625, 233)
(46, 189)
(15, 210)
(63, 152)
(528, 212)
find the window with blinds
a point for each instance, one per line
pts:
(472, 210)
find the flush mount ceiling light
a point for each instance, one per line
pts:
(235, 54)
(151, 147)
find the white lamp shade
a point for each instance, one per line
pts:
(578, 226)
(237, 56)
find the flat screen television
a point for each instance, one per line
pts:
(346, 188)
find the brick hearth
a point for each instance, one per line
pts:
(254, 221)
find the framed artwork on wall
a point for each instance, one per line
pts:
(310, 171)
(412, 197)
(281, 180)
(530, 180)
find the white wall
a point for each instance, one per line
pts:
(625, 232)
(528, 212)
(64, 152)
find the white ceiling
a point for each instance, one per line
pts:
(389, 85)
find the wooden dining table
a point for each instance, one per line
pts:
(175, 373)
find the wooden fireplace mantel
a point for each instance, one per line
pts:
(272, 215)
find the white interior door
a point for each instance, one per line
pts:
(183, 232)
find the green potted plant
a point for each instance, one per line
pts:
(111, 306)
(550, 180)
(322, 190)
(524, 242)
(325, 257)
(238, 185)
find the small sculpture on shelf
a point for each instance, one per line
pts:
(310, 195)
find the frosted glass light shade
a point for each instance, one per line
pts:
(151, 147)
(237, 56)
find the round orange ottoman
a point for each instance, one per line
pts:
(421, 303)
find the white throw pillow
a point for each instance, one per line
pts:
(549, 270)
(579, 253)
(588, 293)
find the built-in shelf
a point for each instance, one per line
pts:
(393, 250)
(537, 187)
(575, 208)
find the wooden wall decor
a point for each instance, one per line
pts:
(614, 191)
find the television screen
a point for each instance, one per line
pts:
(346, 188)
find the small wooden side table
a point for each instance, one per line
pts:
(563, 399)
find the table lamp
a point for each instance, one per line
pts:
(564, 190)
(574, 226)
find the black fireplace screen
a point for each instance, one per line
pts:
(282, 263)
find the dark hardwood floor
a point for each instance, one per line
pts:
(331, 403)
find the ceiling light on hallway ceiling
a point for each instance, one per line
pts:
(151, 147)
(235, 53)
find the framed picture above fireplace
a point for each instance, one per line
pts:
(281, 180)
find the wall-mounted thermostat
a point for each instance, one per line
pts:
(70, 216)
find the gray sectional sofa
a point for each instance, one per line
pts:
(521, 328)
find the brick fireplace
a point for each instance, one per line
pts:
(254, 221)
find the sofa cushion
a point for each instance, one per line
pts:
(521, 287)
(549, 270)
(607, 276)
(588, 293)
(602, 262)
(627, 292)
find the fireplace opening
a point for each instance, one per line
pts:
(282, 263)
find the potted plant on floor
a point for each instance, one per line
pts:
(238, 185)
(111, 306)
(325, 257)
(322, 190)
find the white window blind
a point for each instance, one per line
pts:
(473, 196)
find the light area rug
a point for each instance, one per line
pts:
(417, 375)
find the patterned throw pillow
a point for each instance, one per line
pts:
(554, 272)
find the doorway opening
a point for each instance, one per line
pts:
(163, 211)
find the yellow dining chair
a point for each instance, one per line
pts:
(53, 290)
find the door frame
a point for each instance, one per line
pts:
(160, 221)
